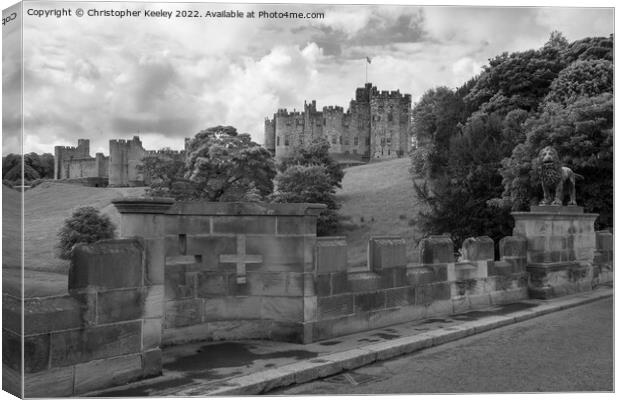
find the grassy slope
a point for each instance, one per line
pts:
(380, 199)
(48, 205)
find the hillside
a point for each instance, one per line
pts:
(380, 200)
(45, 208)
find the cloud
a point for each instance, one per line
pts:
(106, 78)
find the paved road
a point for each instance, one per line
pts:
(570, 350)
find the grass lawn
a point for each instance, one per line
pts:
(380, 199)
(45, 208)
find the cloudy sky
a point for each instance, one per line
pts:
(103, 78)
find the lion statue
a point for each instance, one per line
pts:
(554, 176)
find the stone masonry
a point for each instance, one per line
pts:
(230, 271)
(120, 168)
(375, 126)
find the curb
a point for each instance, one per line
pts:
(321, 367)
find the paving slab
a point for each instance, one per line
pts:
(255, 367)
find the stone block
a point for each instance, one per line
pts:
(178, 283)
(187, 224)
(298, 225)
(331, 254)
(349, 324)
(399, 297)
(120, 305)
(364, 281)
(464, 271)
(183, 312)
(323, 285)
(369, 301)
(211, 284)
(604, 240)
(36, 352)
(210, 248)
(335, 306)
(478, 249)
(280, 283)
(99, 374)
(107, 264)
(155, 255)
(55, 313)
(12, 381)
(340, 283)
(81, 345)
(282, 308)
(309, 284)
(386, 252)
(12, 311)
(439, 308)
(227, 308)
(513, 246)
(437, 250)
(259, 224)
(154, 302)
(56, 382)
(420, 276)
(151, 333)
(280, 253)
(152, 363)
(427, 294)
(11, 349)
(310, 308)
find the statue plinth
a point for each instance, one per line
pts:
(560, 249)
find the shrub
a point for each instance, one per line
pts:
(86, 225)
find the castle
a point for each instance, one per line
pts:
(376, 126)
(120, 168)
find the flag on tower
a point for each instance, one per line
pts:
(368, 60)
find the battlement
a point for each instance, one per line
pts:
(332, 109)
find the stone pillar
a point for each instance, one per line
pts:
(560, 249)
(144, 218)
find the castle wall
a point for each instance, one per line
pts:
(376, 126)
(125, 158)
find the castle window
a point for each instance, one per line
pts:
(339, 139)
(390, 117)
(286, 140)
(324, 121)
(355, 141)
(278, 141)
(346, 141)
(333, 139)
(389, 140)
(367, 141)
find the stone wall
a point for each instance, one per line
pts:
(375, 125)
(391, 290)
(238, 270)
(105, 332)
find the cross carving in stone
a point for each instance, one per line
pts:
(241, 259)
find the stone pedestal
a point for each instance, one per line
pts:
(560, 249)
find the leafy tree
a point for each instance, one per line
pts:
(582, 78)
(86, 225)
(309, 184)
(435, 120)
(223, 165)
(165, 174)
(582, 133)
(315, 153)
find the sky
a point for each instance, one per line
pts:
(103, 78)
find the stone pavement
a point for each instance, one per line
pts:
(255, 367)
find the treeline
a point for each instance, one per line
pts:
(477, 145)
(36, 166)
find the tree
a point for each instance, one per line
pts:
(315, 153)
(309, 184)
(165, 174)
(86, 225)
(582, 133)
(223, 165)
(582, 78)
